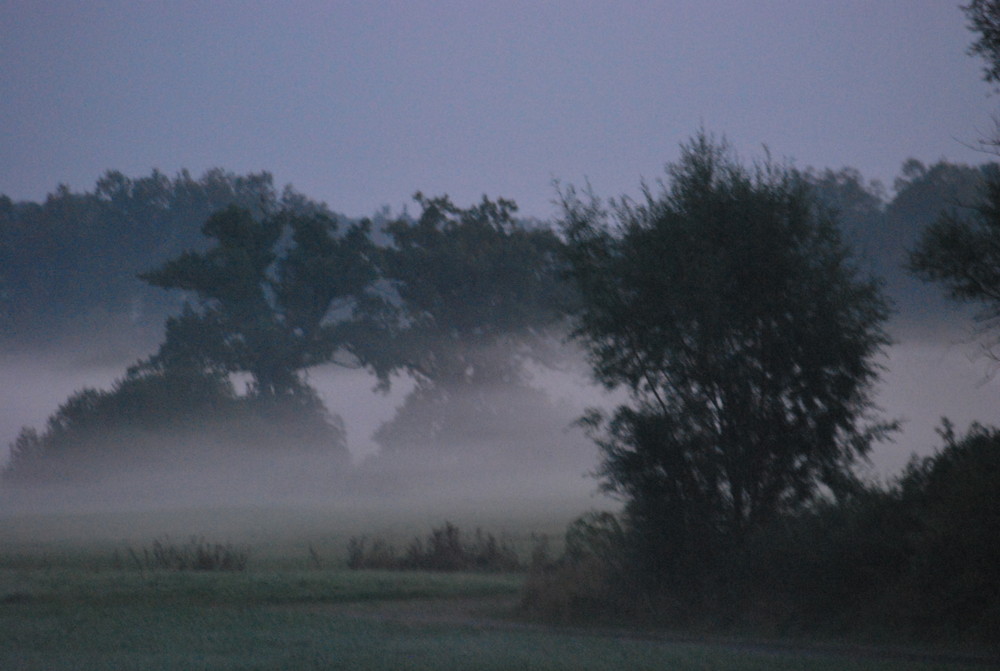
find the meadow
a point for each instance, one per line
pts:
(76, 594)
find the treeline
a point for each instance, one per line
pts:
(882, 227)
(459, 300)
(70, 263)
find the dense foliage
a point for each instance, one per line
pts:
(266, 293)
(478, 292)
(157, 419)
(479, 296)
(727, 307)
(69, 264)
(916, 558)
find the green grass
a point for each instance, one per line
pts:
(66, 603)
(68, 587)
(78, 618)
(179, 635)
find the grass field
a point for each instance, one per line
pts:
(69, 601)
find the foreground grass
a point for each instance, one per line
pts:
(71, 598)
(78, 618)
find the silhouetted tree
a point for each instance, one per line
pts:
(984, 20)
(70, 262)
(961, 248)
(273, 293)
(728, 308)
(479, 294)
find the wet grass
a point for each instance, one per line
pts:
(76, 604)
(195, 628)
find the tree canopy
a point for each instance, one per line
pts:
(69, 263)
(478, 294)
(960, 250)
(267, 292)
(470, 282)
(728, 308)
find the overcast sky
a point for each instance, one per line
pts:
(361, 104)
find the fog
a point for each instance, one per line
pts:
(505, 472)
(928, 376)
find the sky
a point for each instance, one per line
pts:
(361, 104)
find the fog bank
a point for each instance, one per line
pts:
(927, 379)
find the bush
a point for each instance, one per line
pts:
(952, 585)
(195, 555)
(918, 558)
(154, 418)
(590, 577)
(445, 549)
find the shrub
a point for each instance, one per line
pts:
(365, 553)
(445, 549)
(952, 585)
(589, 578)
(195, 555)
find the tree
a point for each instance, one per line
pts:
(727, 307)
(961, 248)
(158, 428)
(470, 281)
(478, 295)
(70, 262)
(984, 19)
(273, 294)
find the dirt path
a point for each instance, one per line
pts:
(499, 613)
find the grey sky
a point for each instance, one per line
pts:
(362, 103)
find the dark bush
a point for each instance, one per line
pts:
(196, 554)
(156, 416)
(591, 576)
(917, 558)
(445, 549)
(952, 583)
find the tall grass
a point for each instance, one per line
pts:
(196, 554)
(446, 548)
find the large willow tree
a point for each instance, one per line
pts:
(727, 306)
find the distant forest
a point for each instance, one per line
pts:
(69, 265)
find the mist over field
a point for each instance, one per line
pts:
(554, 470)
(511, 99)
(930, 374)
